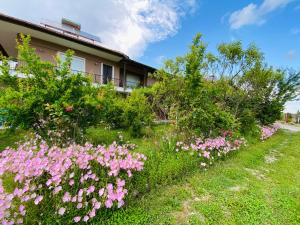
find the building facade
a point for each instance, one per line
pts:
(91, 56)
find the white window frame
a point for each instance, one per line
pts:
(113, 71)
(74, 56)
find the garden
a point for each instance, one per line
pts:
(80, 153)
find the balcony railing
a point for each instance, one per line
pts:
(97, 79)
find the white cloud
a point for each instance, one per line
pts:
(255, 14)
(125, 25)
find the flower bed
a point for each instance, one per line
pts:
(73, 182)
(212, 148)
(268, 131)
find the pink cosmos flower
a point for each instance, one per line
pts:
(66, 197)
(61, 211)
(77, 219)
(38, 199)
(101, 191)
(92, 213)
(57, 189)
(91, 189)
(97, 205)
(206, 154)
(85, 218)
(79, 205)
(71, 182)
(108, 203)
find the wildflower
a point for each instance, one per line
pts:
(71, 182)
(85, 218)
(61, 211)
(77, 219)
(92, 213)
(97, 205)
(38, 199)
(108, 203)
(101, 191)
(57, 189)
(66, 197)
(203, 164)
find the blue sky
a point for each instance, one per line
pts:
(154, 30)
(278, 37)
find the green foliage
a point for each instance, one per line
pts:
(234, 89)
(188, 98)
(132, 112)
(111, 106)
(137, 112)
(50, 98)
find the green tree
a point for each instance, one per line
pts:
(49, 98)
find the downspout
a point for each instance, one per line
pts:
(124, 76)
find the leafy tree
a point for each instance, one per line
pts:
(188, 97)
(49, 98)
(207, 93)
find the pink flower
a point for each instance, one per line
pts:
(120, 203)
(38, 199)
(92, 213)
(61, 211)
(22, 210)
(79, 205)
(120, 183)
(77, 219)
(206, 154)
(97, 205)
(71, 182)
(66, 197)
(91, 189)
(101, 191)
(85, 218)
(80, 192)
(57, 189)
(108, 203)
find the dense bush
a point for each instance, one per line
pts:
(137, 113)
(49, 98)
(132, 112)
(232, 90)
(39, 183)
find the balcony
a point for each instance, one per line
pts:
(97, 79)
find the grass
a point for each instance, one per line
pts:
(260, 184)
(8, 138)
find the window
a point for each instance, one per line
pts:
(107, 73)
(132, 80)
(77, 64)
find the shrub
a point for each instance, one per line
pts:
(63, 184)
(111, 106)
(49, 97)
(137, 113)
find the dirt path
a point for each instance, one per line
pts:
(289, 127)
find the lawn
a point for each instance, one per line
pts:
(260, 184)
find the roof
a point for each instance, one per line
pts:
(41, 28)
